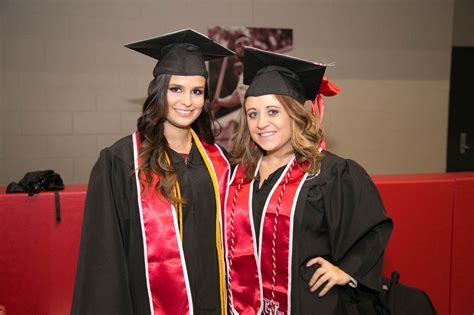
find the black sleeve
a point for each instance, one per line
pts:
(101, 285)
(358, 224)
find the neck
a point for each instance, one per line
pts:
(272, 162)
(278, 158)
(179, 139)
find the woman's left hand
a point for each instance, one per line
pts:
(327, 272)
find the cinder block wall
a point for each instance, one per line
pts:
(68, 87)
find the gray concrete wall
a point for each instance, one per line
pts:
(68, 87)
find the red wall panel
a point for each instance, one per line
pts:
(420, 246)
(462, 274)
(37, 256)
(431, 245)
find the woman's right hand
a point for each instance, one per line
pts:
(329, 273)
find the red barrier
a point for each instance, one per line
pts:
(462, 274)
(431, 245)
(37, 256)
(420, 246)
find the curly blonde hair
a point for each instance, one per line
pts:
(306, 135)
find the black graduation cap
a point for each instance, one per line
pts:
(272, 73)
(182, 52)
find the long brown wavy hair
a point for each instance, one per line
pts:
(306, 134)
(153, 147)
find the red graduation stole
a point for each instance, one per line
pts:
(261, 283)
(166, 274)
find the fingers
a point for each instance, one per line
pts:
(327, 287)
(325, 277)
(317, 260)
(318, 273)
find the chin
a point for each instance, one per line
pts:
(266, 146)
(184, 123)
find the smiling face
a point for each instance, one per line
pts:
(269, 124)
(185, 98)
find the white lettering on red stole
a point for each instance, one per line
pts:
(270, 307)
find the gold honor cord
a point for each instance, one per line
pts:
(220, 257)
(178, 204)
(179, 208)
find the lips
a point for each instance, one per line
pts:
(267, 134)
(184, 112)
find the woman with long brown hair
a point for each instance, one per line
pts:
(305, 230)
(151, 238)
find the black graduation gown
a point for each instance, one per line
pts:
(339, 216)
(110, 277)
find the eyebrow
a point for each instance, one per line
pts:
(268, 106)
(180, 86)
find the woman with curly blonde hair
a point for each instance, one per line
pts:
(305, 230)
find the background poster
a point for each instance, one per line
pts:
(226, 75)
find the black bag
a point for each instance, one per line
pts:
(396, 299)
(34, 182)
(404, 300)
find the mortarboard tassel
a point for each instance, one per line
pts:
(327, 89)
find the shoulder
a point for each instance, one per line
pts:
(334, 163)
(335, 167)
(121, 150)
(114, 161)
(331, 164)
(222, 151)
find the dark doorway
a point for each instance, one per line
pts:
(461, 111)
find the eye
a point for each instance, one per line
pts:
(198, 91)
(273, 112)
(252, 114)
(175, 89)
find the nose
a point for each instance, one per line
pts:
(262, 122)
(186, 99)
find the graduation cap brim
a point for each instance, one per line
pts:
(154, 47)
(309, 73)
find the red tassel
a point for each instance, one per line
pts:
(327, 89)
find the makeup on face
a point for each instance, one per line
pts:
(269, 124)
(186, 100)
